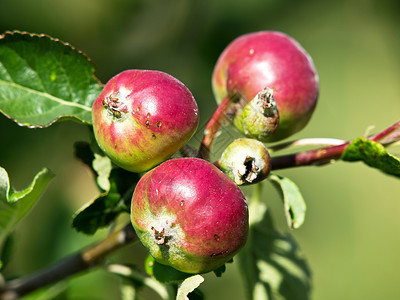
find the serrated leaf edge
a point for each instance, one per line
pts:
(64, 117)
(10, 192)
(42, 35)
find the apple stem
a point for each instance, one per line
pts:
(213, 126)
(76, 263)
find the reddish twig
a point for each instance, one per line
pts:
(389, 135)
(312, 157)
(325, 155)
(212, 128)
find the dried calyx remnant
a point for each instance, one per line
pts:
(260, 118)
(159, 236)
(245, 161)
(114, 105)
(251, 170)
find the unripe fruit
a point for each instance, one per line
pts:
(142, 117)
(246, 161)
(269, 59)
(259, 118)
(189, 215)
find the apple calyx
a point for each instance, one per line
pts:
(259, 119)
(246, 161)
(114, 105)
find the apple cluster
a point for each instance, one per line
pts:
(188, 212)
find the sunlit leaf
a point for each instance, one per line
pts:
(374, 155)
(103, 166)
(116, 186)
(128, 290)
(15, 204)
(43, 80)
(139, 279)
(163, 273)
(271, 263)
(293, 201)
(188, 286)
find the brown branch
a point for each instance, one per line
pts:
(76, 263)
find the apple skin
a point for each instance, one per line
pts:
(246, 161)
(269, 59)
(190, 215)
(142, 117)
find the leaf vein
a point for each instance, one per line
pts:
(46, 95)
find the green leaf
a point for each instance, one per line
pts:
(293, 201)
(43, 80)
(271, 263)
(163, 273)
(116, 187)
(84, 153)
(139, 279)
(102, 165)
(15, 204)
(373, 154)
(220, 270)
(128, 290)
(99, 213)
(58, 291)
(188, 286)
(7, 250)
(103, 210)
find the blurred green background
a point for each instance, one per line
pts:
(351, 234)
